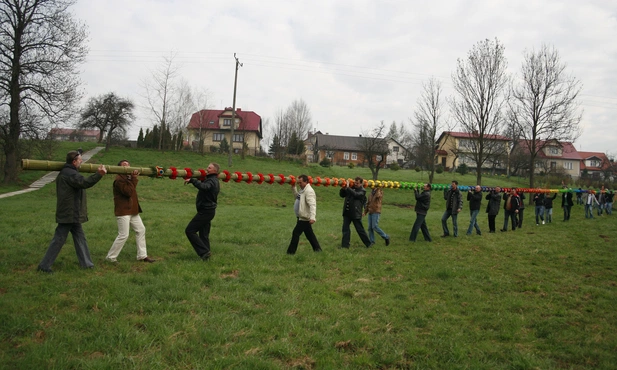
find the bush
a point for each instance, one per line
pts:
(325, 163)
(439, 169)
(418, 169)
(463, 169)
(395, 167)
(351, 165)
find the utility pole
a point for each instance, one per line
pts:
(233, 115)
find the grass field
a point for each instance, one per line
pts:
(542, 297)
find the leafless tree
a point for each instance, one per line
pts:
(299, 116)
(544, 102)
(480, 83)
(159, 93)
(428, 123)
(41, 46)
(374, 147)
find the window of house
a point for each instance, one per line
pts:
(211, 123)
(346, 156)
(594, 163)
(554, 151)
(354, 156)
(227, 122)
(378, 158)
(553, 165)
(238, 138)
(329, 155)
(218, 137)
(395, 149)
(567, 165)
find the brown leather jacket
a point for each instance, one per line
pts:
(375, 198)
(125, 196)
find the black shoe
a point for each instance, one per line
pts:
(45, 270)
(445, 235)
(147, 259)
(503, 230)
(206, 257)
(492, 231)
(387, 242)
(370, 245)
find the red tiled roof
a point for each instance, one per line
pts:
(249, 121)
(568, 150)
(69, 131)
(604, 162)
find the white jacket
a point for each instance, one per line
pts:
(308, 203)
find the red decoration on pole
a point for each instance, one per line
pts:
(250, 175)
(203, 174)
(271, 181)
(159, 171)
(238, 176)
(310, 180)
(227, 176)
(327, 181)
(292, 181)
(261, 178)
(189, 173)
(317, 181)
(282, 179)
(174, 173)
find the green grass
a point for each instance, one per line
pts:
(543, 297)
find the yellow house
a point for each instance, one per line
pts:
(455, 148)
(212, 126)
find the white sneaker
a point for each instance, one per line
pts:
(542, 222)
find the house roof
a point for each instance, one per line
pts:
(70, 131)
(468, 135)
(249, 121)
(604, 162)
(568, 149)
(350, 143)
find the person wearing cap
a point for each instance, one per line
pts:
(353, 207)
(127, 210)
(71, 212)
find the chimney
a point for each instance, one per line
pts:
(238, 109)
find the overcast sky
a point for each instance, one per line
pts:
(355, 63)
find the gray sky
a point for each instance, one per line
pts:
(355, 63)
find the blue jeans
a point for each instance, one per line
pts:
(444, 223)
(473, 222)
(79, 240)
(588, 210)
(609, 208)
(539, 213)
(373, 225)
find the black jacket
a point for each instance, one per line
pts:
(475, 200)
(208, 193)
(423, 201)
(457, 201)
(355, 199)
(494, 203)
(566, 199)
(538, 199)
(71, 205)
(548, 201)
(514, 204)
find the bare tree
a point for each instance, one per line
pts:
(374, 147)
(299, 116)
(544, 103)
(480, 83)
(159, 95)
(110, 114)
(428, 123)
(41, 46)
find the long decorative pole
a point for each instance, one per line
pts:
(248, 177)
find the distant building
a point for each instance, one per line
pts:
(70, 134)
(595, 164)
(342, 150)
(555, 155)
(456, 148)
(212, 126)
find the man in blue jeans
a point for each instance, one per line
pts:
(474, 197)
(454, 205)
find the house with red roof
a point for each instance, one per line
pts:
(556, 155)
(456, 148)
(595, 164)
(211, 126)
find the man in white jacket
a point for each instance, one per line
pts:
(305, 207)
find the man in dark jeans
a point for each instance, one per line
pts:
(206, 208)
(353, 208)
(566, 204)
(423, 203)
(454, 205)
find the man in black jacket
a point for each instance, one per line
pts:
(353, 208)
(423, 203)
(454, 205)
(510, 206)
(71, 211)
(492, 208)
(474, 197)
(566, 204)
(206, 209)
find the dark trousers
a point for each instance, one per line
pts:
(566, 212)
(512, 216)
(306, 228)
(521, 212)
(79, 239)
(357, 223)
(491, 223)
(200, 224)
(420, 224)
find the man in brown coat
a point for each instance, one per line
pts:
(127, 209)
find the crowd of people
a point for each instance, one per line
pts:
(71, 211)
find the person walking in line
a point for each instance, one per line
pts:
(591, 199)
(548, 207)
(511, 204)
(601, 200)
(305, 207)
(423, 203)
(71, 212)
(538, 200)
(610, 195)
(474, 197)
(198, 230)
(493, 206)
(521, 209)
(373, 209)
(454, 205)
(579, 196)
(127, 210)
(353, 207)
(566, 203)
